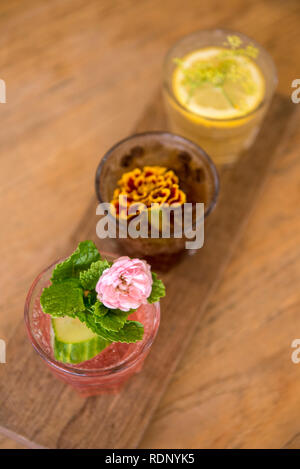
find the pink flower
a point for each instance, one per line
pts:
(125, 285)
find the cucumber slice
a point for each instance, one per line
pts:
(74, 342)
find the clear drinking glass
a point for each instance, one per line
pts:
(106, 372)
(197, 175)
(222, 139)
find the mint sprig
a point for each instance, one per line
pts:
(110, 319)
(63, 299)
(80, 260)
(99, 309)
(113, 320)
(72, 293)
(132, 331)
(158, 289)
(89, 278)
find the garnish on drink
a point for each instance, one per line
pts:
(91, 302)
(220, 82)
(145, 187)
(217, 88)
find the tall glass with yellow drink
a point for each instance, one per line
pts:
(217, 87)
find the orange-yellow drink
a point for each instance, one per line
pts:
(217, 88)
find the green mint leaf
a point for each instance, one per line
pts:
(114, 320)
(81, 259)
(99, 310)
(89, 278)
(63, 299)
(131, 332)
(158, 289)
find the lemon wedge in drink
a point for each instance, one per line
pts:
(216, 84)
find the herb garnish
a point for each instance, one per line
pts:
(220, 69)
(72, 293)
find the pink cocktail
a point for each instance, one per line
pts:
(108, 370)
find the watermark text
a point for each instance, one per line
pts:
(157, 221)
(2, 92)
(2, 351)
(296, 353)
(296, 93)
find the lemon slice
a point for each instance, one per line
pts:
(237, 95)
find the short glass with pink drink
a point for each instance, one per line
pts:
(107, 371)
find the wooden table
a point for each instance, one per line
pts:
(75, 85)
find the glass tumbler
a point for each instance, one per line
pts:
(197, 175)
(223, 139)
(106, 372)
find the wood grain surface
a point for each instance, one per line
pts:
(67, 421)
(79, 75)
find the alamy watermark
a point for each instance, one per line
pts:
(296, 93)
(157, 221)
(2, 92)
(295, 357)
(2, 351)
